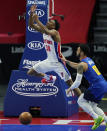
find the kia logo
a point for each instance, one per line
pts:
(35, 45)
(31, 29)
(39, 12)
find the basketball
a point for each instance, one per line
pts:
(25, 118)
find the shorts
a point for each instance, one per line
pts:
(96, 92)
(58, 67)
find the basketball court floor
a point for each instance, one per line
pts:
(77, 122)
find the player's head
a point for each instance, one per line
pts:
(53, 24)
(83, 50)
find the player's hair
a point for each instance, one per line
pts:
(85, 48)
(57, 25)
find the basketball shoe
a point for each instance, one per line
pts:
(49, 79)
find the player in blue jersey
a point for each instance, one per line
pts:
(52, 43)
(89, 100)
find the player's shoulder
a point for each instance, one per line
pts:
(83, 65)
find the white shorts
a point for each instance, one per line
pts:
(58, 67)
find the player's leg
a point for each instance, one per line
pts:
(40, 70)
(32, 72)
(46, 78)
(37, 70)
(99, 95)
(84, 103)
(98, 110)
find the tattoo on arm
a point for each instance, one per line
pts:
(72, 64)
(80, 69)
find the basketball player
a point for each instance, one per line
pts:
(89, 100)
(52, 42)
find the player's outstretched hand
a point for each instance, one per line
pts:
(33, 8)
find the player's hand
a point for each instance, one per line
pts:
(63, 59)
(68, 91)
(33, 8)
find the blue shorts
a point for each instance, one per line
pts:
(96, 92)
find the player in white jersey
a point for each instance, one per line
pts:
(52, 42)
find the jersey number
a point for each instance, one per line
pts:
(48, 48)
(96, 70)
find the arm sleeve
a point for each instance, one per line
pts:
(77, 81)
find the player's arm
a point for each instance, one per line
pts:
(77, 82)
(82, 67)
(32, 19)
(70, 63)
(32, 25)
(44, 28)
(61, 55)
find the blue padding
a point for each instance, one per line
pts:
(34, 50)
(25, 91)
